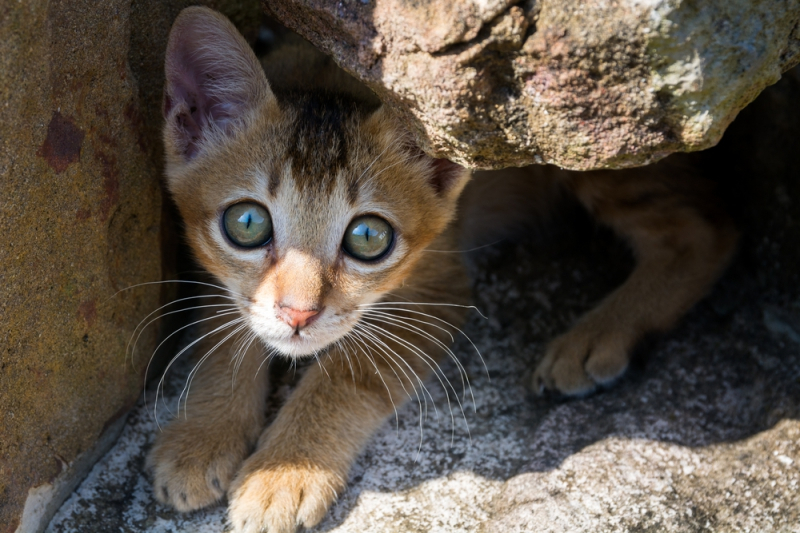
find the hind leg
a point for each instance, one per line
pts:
(682, 241)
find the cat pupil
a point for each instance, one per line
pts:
(364, 231)
(248, 218)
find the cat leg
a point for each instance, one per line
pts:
(302, 460)
(682, 241)
(196, 456)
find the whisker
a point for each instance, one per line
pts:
(373, 162)
(146, 283)
(384, 169)
(424, 398)
(390, 319)
(147, 369)
(193, 308)
(160, 385)
(472, 307)
(340, 347)
(316, 356)
(267, 358)
(464, 251)
(196, 368)
(359, 341)
(381, 345)
(239, 354)
(437, 371)
(376, 312)
(443, 321)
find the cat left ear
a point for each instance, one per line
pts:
(213, 81)
(448, 178)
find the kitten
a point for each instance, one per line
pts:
(313, 210)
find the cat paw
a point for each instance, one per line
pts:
(583, 358)
(193, 467)
(276, 497)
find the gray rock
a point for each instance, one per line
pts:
(583, 85)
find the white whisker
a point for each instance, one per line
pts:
(381, 345)
(175, 281)
(472, 307)
(443, 321)
(364, 349)
(373, 162)
(267, 358)
(196, 368)
(160, 385)
(365, 331)
(390, 319)
(464, 251)
(193, 308)
(433, 365)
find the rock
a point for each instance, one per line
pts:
(703, 434)
(80, 219)
(583, 85)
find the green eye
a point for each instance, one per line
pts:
(368, 238)
(247, 224)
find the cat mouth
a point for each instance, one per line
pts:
(300, 344)
(313, 338)
(302, 341)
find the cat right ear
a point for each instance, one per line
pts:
(213, 82)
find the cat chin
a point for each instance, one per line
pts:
(297, 348)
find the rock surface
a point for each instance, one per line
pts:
(80, 219)
(583, 85)
(702, 435)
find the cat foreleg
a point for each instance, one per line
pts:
(195, 457)
(303, 459)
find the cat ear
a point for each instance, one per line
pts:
(213, 81)
(448, 178)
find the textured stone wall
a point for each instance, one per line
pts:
(80, 219)
(582, 84)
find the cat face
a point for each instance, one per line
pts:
(305, 207)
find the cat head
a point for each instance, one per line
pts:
(306, 207)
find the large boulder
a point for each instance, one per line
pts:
(80, 220)
(580, 84)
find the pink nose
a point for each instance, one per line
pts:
(297, 319)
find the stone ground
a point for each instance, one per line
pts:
(703, 434)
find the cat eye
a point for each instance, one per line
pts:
(368, 238)
(247, 224)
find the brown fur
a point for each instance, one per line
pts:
(317, 159)
(682, 240)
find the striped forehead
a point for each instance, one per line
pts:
(319, 144)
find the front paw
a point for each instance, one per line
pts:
(193, 466)
(273, 496)
(588, 355)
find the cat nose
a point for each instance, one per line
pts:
(295, 318)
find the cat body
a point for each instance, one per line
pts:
(313, 210)
(305, 167)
